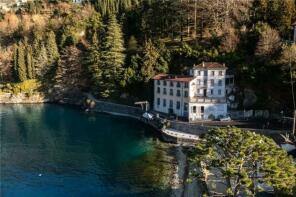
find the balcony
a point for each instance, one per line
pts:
(201, 99)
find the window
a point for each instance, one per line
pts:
(185, 107)
(186, 85)
(172, 84)
(171, 92)
(164, 91)
(205, 73)
(178, 93)
(219, 92)
(198, 82)
(202, 109)
(200, 91)
(171, 103)
(212, 82)
(198, 73)
(164, 103)
(212, 92)
(178, 84)
(213, 73)
(185, 93)
(220, 82)
(205, 82)
(220, 73)
(158, 82)
(178, 105)
(158, 89)
(158, 101)
(193, 109)
(164, 83)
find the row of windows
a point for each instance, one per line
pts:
(211, 73)
(171, 104)
(212, 82)
(178, 93)
(211, 92)
(171, 83)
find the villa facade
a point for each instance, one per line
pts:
(199, 95)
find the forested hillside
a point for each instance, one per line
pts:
(114, 47)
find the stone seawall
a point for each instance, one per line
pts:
(117, 109)
(22, 98)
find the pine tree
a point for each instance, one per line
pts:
(94, 67)
(132, 45)
(244, 159)
(150, 59)
(112, 57)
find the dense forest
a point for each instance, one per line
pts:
(114, 47)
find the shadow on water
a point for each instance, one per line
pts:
(52, 150)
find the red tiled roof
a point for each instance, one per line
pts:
(180, 78)
(210, 65)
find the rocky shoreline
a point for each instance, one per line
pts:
(23, 98)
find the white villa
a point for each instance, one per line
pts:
(200, 95)
(8, 4)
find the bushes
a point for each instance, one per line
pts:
(28, 86)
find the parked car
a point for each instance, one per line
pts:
(147, 116)
(225, 119)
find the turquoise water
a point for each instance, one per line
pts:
(51, 150)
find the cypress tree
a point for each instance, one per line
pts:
(112, 56)
(15, 57)
(40, 61)
(30, 63)
(51, 47)
(21, 63)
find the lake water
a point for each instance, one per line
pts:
(51, 150)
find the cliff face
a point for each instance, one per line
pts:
(8, 98)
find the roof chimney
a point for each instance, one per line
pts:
(203, 64)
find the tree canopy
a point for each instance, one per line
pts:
(247, 161)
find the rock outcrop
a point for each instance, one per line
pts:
(9, 98)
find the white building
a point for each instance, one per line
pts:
(78, 1)
(199, 95)
(8, 4)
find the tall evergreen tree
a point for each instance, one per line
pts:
(112, 57)
(30, 63)
(150, 58)
(40, 61)
(51, 47)
(21, 69)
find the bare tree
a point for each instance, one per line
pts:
(269, 42)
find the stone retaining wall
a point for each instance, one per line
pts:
(189, 127)
(117, 109)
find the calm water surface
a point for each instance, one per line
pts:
(50, 150)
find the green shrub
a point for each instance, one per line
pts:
(28, 86)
